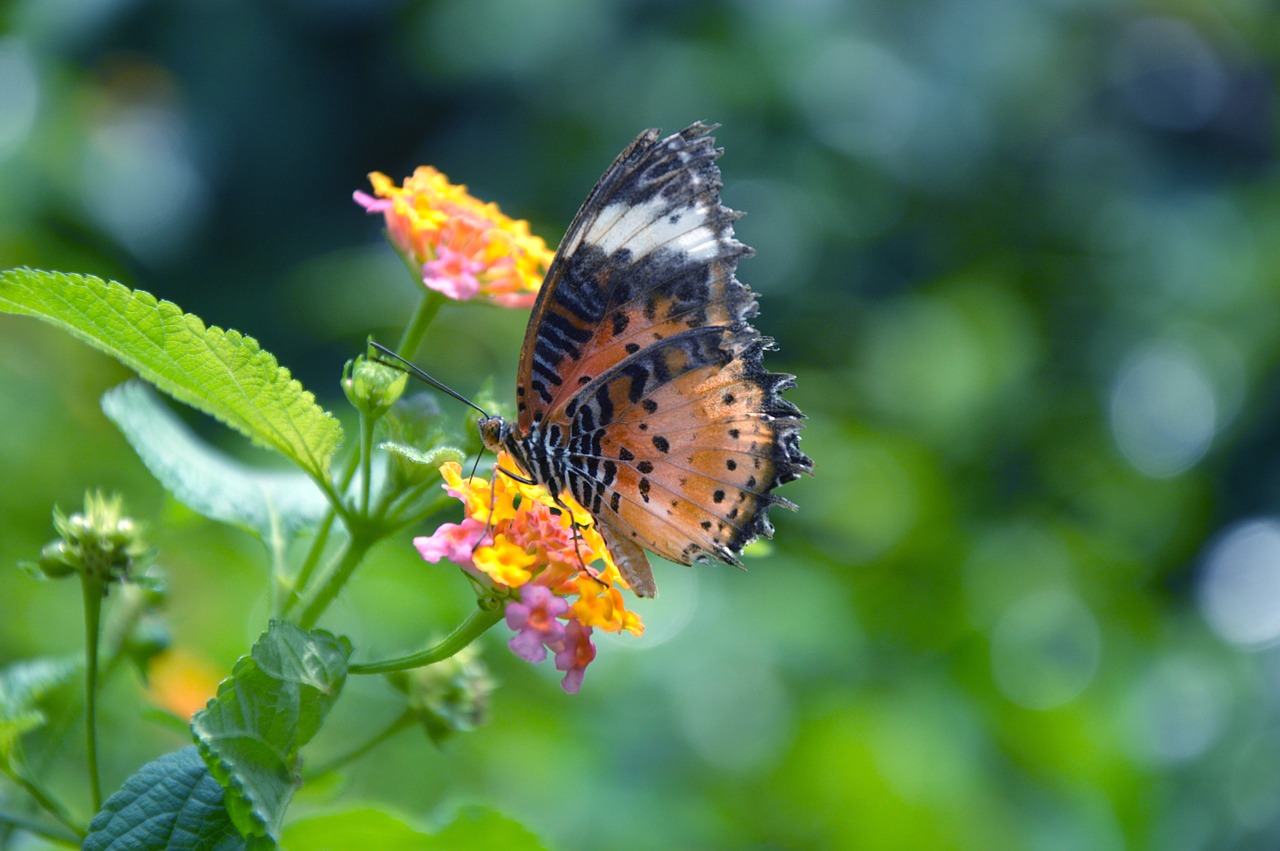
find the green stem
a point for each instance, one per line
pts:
(310, 564)
(357, 549)
(487, 613)
(332, 494)
(406, 719)
(278, 587)
(321, 539)
(93, 589)
(366, 460)
(426, 311)
(400, 523)
(65, 835)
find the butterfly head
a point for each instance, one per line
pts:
(494, 431)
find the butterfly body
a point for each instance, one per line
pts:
(641, 390)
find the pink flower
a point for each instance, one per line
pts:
(574, 654)
(557, 577)
(453, 273)
(371, 204)
(534, 619)
(453, 541)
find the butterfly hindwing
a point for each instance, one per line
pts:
(641, 387)
(682, 443)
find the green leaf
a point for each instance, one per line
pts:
(273, 703)
(430, 459)
(481, 827)
(355, 829)
(171, 803)
(273, 505)
(223, 373)
(22, 685)
(473, 827)
(415, 439)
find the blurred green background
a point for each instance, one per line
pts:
(1024, 256)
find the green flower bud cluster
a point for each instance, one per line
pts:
(101, 543)
(450, 696)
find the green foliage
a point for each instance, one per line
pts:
(472, 827)
(22, 685)
(369, 828)
(430, 459)
(1013, 251)
(481, 827)
(273, 505)
(171, 804)
(412, 424)
(272, 705)
(222, 373)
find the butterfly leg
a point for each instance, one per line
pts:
(524, 480)
(627, 555)
(488, 524)
(577, 539)
(492, 496)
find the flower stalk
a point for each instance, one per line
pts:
(487, 613)
(94, 589)
(414, 332)
(357, 548)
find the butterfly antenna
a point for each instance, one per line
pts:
(390, 358)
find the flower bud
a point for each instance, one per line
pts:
(100, 543)
(56, 560)
(450, 696)
(372, 387)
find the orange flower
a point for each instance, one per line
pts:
(181, 683)
(514, 536)
(463, 247)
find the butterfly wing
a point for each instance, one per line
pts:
(653, 222)
(640, 352)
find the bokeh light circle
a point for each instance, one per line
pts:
(1045, 649)
(1240, 584)
(1176, 709)
(1163, 411)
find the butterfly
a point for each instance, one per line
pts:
(641, 390)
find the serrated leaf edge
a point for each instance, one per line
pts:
(253, 354)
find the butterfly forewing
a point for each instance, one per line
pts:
(641, 389)
(650, 253)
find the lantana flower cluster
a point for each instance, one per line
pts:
(514, 538)
(466, 249)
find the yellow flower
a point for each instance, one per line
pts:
(517, 537)
(505, 562)
(464, 248)
(515, 533)
(602, 607)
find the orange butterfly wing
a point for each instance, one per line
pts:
(641, 388)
